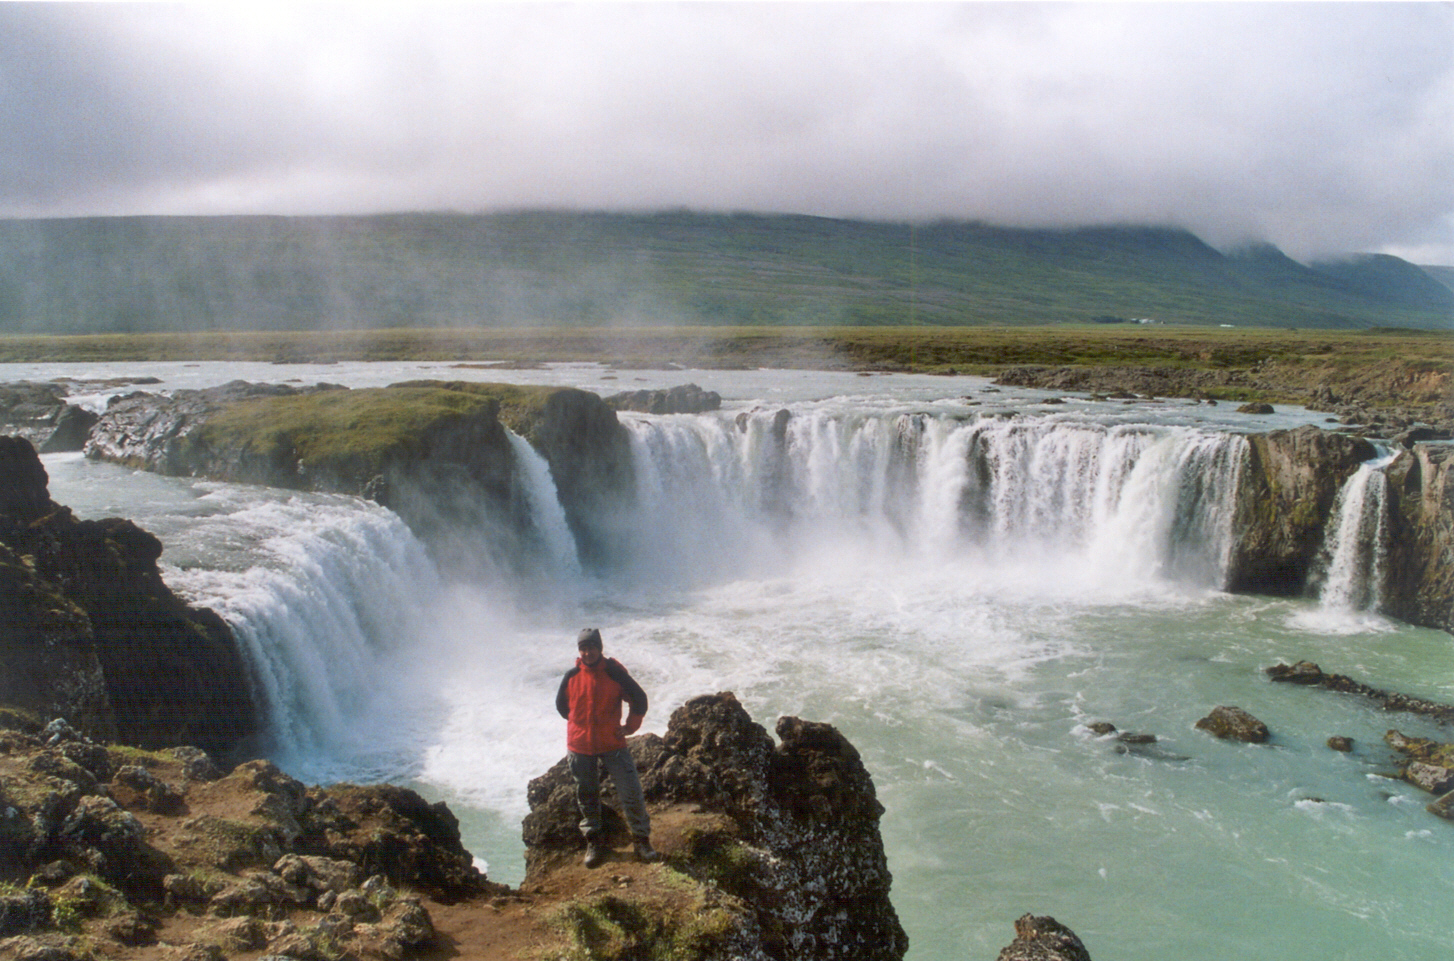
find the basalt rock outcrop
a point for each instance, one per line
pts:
(589, 452)
(1419, 582)
(89, 630)
(682, 399)
(784, 835)
(161, 855)
(40, 412)
(1285, 497)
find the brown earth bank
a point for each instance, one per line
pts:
(769, 851)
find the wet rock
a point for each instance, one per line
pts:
(683, 399)
(1339, 743)
(1043, 939)
(1308, 673)
(1287, 488)
(1430, 764)
(1434, 778)
(1419, 577)
(1443, 807)
(1256, 408)
(31, 410)
(1234, 724)
(72, 430)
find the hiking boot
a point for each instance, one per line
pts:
(595, 849)
(595, 854)
(644, 850)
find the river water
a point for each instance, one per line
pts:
(960, 578)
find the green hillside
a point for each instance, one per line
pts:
(543, 269)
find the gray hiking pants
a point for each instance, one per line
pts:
(586, 769)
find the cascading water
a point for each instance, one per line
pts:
(752, 494)
(337, 590)
(1352, 560)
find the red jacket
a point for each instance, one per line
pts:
(590, 700)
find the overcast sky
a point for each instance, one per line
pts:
(1320, 128)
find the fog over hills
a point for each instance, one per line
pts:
(133, 274)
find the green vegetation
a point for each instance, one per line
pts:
(684, 925)
(140, 274)
(971, 350)
(358, 430)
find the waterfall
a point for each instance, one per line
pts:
(719, 494)
(547, 515)
(336, 590)
(1351, 563)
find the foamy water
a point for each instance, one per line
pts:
(959, 578)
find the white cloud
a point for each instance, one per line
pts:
(1319, 127)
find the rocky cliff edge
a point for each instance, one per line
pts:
(770, 851)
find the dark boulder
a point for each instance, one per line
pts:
(1043, 939)
(72, 431)
(1234, 724)
(1308, 673)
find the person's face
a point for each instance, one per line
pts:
(590, 654)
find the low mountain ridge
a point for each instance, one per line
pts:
(135, 274)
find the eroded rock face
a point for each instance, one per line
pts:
(589, 452)
(1286, 495)
(89, 630)
(792, 833)
(1419, 584)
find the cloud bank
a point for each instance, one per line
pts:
(1322, 128)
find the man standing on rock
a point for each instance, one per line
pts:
(590, 698)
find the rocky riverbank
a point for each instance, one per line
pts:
(1379, 398)
(770, 852)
